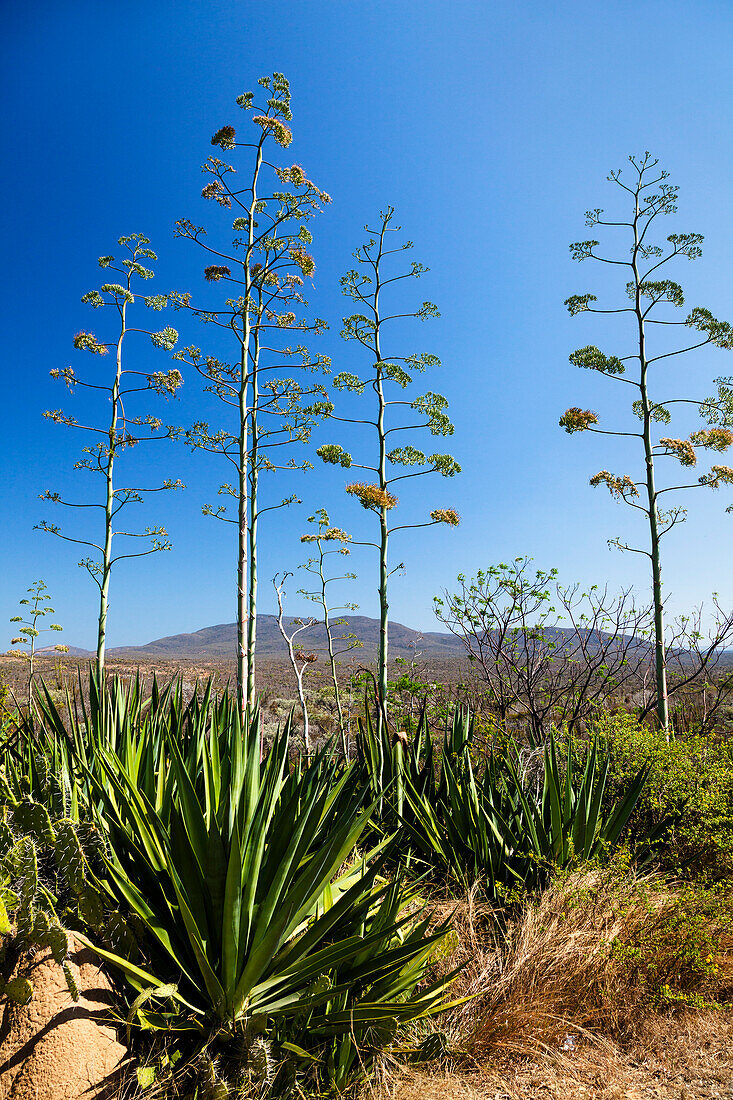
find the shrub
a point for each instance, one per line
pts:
(690, 780)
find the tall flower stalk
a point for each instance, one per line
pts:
(649, 196)
(329, 540)
(263, 271)
(366, 285)
(108, 441)
(30, 630)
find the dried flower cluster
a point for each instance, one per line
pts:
(445, 515)
(371, 496)
(577, 420)
(618, 486)
(225, 137)
(215, 272)
(306, 658)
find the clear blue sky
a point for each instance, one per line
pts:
(491, 128)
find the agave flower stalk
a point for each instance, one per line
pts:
(329, 540)
(123, 430)
(263, 272)
(365, 285)
(650, 196)
(29, 630)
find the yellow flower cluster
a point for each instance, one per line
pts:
(577, 420)
(618, 486)
(282, 134)
(717, 439)
(719, 475)
(304, 260)
(371, 496)
(682, 449)
(87, 341)
(445, 515)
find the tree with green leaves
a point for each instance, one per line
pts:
(29, 630)
(641, 257)
(329, 540)
(365, 285)
(263, 271)
(120, 430)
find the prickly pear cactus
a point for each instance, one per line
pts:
(33, 819)
(260, 1064)
(28, 904)
(57, 940)
(69, 855)
(24, 857)
(17, 990)
(71, 985)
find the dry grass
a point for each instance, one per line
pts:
(597, 951)
(567, 1004)
(688, 1057)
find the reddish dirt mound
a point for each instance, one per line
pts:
(55, 1048)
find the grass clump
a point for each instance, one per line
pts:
(598, 951)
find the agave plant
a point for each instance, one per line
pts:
(499, 828)
(258, 918)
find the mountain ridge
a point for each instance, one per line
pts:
(220, 640)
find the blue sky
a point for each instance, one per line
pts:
(491, 128)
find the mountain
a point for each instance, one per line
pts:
(220, 641)
(72, 651)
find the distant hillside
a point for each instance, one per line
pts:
(220, 641)
(72, 651)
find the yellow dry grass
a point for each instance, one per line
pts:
(688, 1057)
(556, 1014)
(559, 962)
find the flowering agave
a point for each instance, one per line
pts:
(427, 411)
(651, 196)
(262, 271)
(122, 430)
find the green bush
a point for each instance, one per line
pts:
(690, 781)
